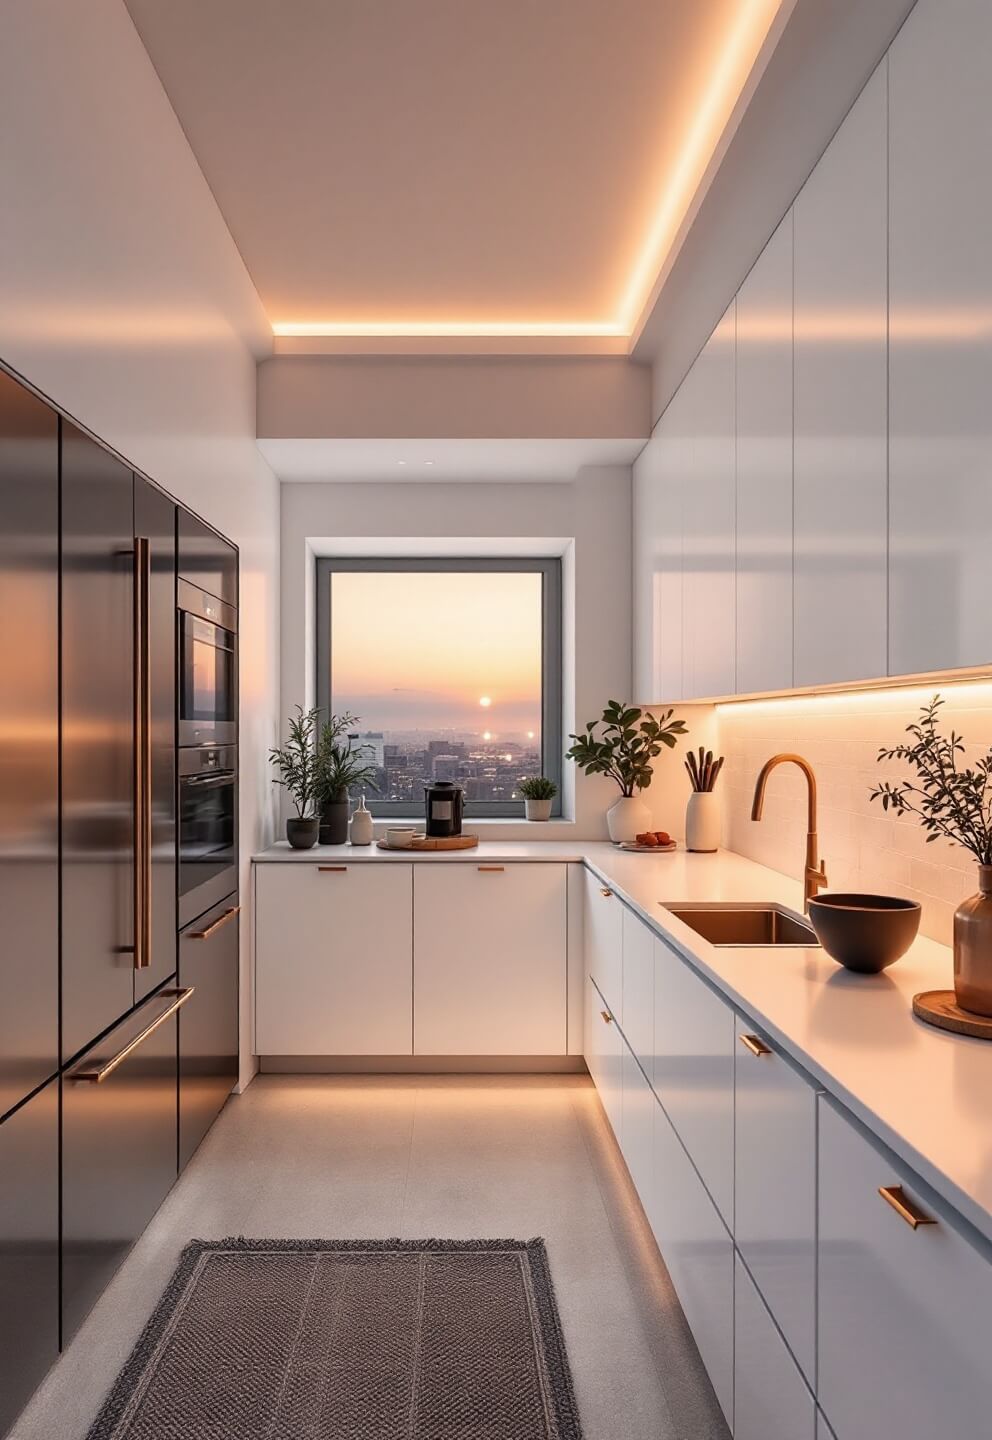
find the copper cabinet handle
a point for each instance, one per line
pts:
(491, 869)
(904, 1207)
(212, 929)
(332, 869)
(100, 1072)
(607, 1017)
(606, 894)
(142, 760)
(756, 1045)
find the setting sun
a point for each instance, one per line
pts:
(485, 701)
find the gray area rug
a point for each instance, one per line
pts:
(355, 1340)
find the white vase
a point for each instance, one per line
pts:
(702, 821)
(537, 809)
(627, 818)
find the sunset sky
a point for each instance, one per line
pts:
(422, 650)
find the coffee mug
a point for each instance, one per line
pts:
(400, 837)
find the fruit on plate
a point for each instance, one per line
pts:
(653, 837)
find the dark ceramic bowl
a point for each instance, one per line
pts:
(866, 933)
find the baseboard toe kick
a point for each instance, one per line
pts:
(421, 1064)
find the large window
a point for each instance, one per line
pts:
(454, 670)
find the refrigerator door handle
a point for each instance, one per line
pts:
(97, 1073)
(142, 760)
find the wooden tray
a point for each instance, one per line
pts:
(434, 842)
(940, 1008)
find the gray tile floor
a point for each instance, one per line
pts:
(415, 1156)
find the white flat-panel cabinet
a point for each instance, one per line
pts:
(699, 1254)
(771, 1399)
(940, 338)
(823, 1430)
(639, 944)
(333, 959)
(603, 1054)
(708, 523)
(775, 1179)
(905, 1314)
(603, 926)
(658, 476)
(489, 947)
(764, 469)
(637, 1127)
(840, 403)
(693, 1070)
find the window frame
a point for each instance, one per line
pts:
(550, 569)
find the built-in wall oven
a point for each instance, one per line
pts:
(208, 678)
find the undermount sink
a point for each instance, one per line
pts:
(742, 923)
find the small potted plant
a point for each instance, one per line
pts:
(625, 749)
(296, 767)
(341, 767)
(538, 792)
(954, 801)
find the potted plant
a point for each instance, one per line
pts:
(341, 767)
(296, 764)
(538, 792)
(625, 748)
(955, 801)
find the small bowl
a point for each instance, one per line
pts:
(400, 837)
(866, 933)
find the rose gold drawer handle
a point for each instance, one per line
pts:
(607, 1017)
(491, 869)
(606, 894)
(212, 929)
(755, 1045)
(332, 869)
(98, 1074)
(904, 1207)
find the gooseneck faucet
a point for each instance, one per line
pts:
(815, 874)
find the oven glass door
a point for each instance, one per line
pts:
(207, 848)
(207, 702)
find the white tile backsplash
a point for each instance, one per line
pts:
(840, 735)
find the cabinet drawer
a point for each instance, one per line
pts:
(637, 1126)
(604, 942)
(208, 1023)
(638, 950)
(119, 1139)
(693, 1071)
(489, 959)
(905, 1314)
(29, 1248)
(699, 1254)
(333, 959)
(603, 1048)
(771, 1399)
(775, 1198)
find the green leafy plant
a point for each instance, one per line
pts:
(537, 787)
(626, 746)
(296, 762)
(341, 766)
(950, 799)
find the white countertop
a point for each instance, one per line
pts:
(924, 1092)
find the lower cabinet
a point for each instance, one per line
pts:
(29, 1248)
(603, 1051)
(603, 924)
(119, 1145)
(208, 1022)
(904, 1296)
(823, 1430)
(699, 1253)
(489, 959)
(637, 1109)
(333, 959)
(771, 1399)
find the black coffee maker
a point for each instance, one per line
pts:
(444, 801)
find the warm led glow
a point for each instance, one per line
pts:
(975, 690)
(733, 62)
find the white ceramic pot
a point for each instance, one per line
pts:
(537, 809)
(702, 821)
(627, 818)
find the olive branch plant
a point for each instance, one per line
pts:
(950, 799)
(626, 746)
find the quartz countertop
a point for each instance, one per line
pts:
(925, 1093)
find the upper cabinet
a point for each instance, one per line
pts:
(708, 565)
(840, 403)
(764, 469)
(206, 559)
(658, 489)
(940, 338)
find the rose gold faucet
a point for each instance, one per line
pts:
(815, 874)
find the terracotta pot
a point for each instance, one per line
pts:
(627, 818)
(973, 948)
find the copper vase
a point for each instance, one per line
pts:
(973, 948)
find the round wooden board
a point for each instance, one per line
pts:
(434, 842)
(940, 1008)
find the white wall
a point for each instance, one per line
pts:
(593, 513)
(124, 299)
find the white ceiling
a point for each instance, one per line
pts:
(443, 460)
